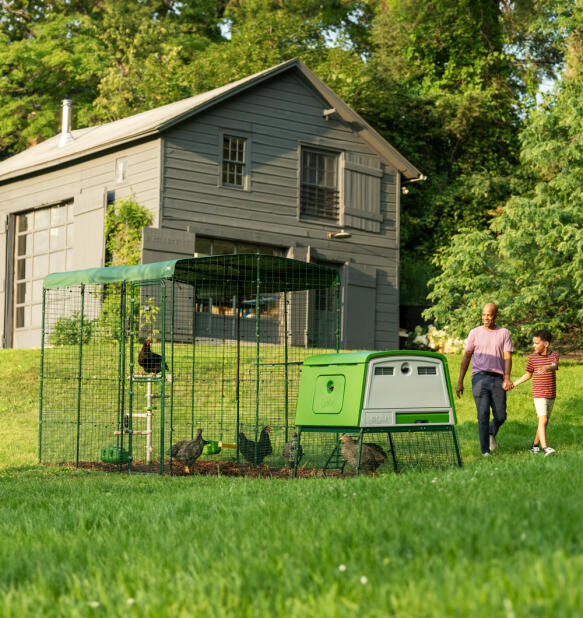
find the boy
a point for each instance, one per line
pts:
(542, 367)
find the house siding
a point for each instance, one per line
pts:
(86, 183)
(278, 117)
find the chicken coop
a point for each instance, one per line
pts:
(401, 400)
(135, 359)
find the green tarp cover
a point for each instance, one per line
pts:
(275, 274)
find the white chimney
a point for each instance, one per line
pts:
(66, 135)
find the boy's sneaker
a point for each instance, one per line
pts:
(534, 449)
(493, 443)
(548, 450)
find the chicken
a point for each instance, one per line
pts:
(289, 451)
(150, 361)
(250, 450)
(372, 455)
(188, 451)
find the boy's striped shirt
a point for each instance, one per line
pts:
(544, 385)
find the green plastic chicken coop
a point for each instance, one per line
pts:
(231, 332)
(403, 396)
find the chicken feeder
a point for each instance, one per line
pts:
(387, 392)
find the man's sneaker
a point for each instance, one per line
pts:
(493, 443)
(534, 449)
(486, 454)
(548, 450)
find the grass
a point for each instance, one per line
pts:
(499, 537)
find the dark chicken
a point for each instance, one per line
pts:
(250, 449)
(188, 451)
(149, 361)
(289, 451)
(372, 455)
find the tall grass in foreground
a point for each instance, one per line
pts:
(499, 537)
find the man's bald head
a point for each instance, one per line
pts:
(489, 313)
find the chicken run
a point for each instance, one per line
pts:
(192, 366)
(185, 366)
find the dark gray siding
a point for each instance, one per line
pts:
(87, 184)
(278, 117)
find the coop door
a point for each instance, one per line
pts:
(147, 417)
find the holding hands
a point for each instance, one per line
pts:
(508, 385)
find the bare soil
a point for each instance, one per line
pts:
(209, 468)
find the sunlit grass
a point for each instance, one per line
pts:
(499, 537)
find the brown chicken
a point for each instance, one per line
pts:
(250, 450)
(149, 361)
(372, 455)
(188, 451)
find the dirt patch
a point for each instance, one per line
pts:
(209, 468)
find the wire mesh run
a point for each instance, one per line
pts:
(335, 451)
(131, 367)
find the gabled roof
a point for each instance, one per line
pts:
(154, 122)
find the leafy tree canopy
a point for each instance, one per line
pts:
(530, 260)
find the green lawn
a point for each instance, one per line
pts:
(499, 537)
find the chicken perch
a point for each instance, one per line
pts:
(188, 451)
(289, 451)
(372, 455)
(248, 448)
(149, 361)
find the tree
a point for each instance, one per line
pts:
(458, 75)
(530, 261)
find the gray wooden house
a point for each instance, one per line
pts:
(275, 163)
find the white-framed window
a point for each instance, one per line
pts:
(234, 161)
(43, 244)
(319, 185)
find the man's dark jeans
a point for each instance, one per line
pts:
(488, 394)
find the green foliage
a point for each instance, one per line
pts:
(529, 261)
(67, 331)
(148, 315)
(123, 231)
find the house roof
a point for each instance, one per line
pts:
(154, 122)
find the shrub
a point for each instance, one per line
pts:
(67, 330)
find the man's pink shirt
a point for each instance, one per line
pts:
(488, 347)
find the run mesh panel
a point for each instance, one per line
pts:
(404, 450)
(233, 332)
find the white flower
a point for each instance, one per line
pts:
(342, 568)
(130, 601)
(93, 604)
(363, 580)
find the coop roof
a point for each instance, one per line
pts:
(358, 358)
(242, 273)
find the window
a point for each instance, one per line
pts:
(319, 184)
(43, 245)
(234, 154)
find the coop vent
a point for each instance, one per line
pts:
(383, 371)
(427, 371)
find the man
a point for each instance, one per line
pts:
(491, 348)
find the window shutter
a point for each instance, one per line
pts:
(362, 192)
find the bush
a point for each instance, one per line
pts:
(67, 330)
